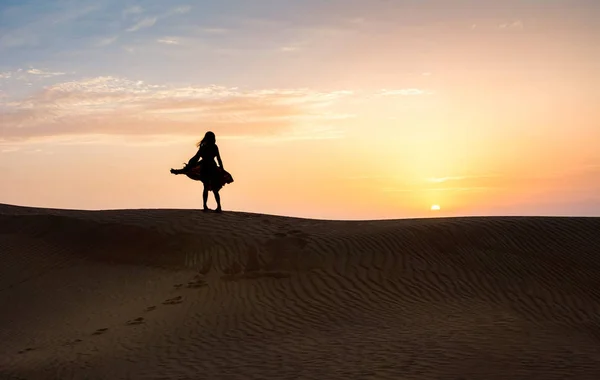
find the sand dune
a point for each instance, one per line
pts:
(179, 294)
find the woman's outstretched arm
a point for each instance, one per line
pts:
(194, 159)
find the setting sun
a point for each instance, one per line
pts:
(435, 207)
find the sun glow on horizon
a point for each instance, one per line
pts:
(435, 208)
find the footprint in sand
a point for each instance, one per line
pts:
(173, 301)
(26, 350)
(137, 321)
(150, 308)
(199, 283)
(100, 331)
(177, 286)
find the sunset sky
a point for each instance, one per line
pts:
(335, 109)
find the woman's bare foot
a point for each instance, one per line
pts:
(218, 209)
(206, 209)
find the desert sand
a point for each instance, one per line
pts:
(180, 294)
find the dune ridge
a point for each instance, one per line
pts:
(163, 294)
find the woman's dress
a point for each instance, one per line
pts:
(206, 169)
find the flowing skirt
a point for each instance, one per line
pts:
(211, 175)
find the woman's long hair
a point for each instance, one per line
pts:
(209, 138)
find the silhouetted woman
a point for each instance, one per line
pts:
(213, 177)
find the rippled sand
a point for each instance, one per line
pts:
(179, 294)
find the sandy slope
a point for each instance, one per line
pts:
(178, 294)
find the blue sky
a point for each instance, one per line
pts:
(93, 37)
(360, 46)
(115, 37)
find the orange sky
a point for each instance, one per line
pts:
(353, 113)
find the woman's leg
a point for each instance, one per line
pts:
(205, 197)
(218, 199)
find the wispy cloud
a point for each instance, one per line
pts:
(459, 183)
(518, 24)
(144, 23)
(117, 106)
(466, 180)
(420, 190)
(107, 41)
(405, 92)
(9, 150)
(148, 22)
(446, 179)
(293, 47)
(29, 74)
(168, 41)
(43, 73)
(511, 181)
